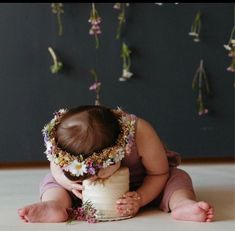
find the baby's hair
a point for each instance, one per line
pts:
(87, 129)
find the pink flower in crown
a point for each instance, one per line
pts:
(91, 170)
(130, 138)
(89, 163)
(128, 149)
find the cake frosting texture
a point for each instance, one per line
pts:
(103, 194)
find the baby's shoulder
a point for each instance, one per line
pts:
(143, 125)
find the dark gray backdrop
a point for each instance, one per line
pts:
(164, 60)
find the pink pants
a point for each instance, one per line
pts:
(178, 179)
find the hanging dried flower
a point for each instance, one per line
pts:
(57, 8)
(57, 65)
(95, 21)
(121, 17)
(230, 46)
(126, 63)
(95, 86)
(200, 84)
(196, 27)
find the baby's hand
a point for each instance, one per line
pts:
(129, 204)
(76, 189)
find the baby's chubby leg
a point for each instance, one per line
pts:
(51, 209)
(180, 199)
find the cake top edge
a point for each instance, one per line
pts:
(120, 172)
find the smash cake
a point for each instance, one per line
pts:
(103, 194)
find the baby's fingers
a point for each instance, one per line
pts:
(77, 193)
(76, 186)
(125, 210)
(127, 200)
(133, 194)
(129, 194)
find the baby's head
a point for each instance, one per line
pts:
(87, 129)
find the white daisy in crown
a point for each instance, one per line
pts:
(77, 168)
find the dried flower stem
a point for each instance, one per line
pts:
(196, 27)
(96, 86)
(197, 84)
(126, 63)
(231, 47)
(125, 54)
(121, 18)
(57, 8)
(96, 37)
(60, 24)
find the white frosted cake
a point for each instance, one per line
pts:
(103, 194)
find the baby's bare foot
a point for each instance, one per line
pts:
(193, 211)
(48, 212)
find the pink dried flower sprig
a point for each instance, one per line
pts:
(121, 17)
(95, 21)
(96, 86)
(196, 27)
(200, 84)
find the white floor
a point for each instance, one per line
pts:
(214, 183)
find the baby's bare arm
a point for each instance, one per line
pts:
(151, 188)
(154, 159)
(59, 176)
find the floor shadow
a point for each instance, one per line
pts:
(222, 199)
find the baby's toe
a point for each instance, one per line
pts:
(204, 205)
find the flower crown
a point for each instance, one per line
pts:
(83, 167)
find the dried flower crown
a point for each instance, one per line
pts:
(83, 167)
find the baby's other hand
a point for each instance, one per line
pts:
(76, 189)
(129, 204)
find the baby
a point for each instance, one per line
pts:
(93, 142)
